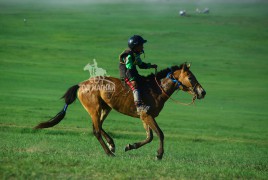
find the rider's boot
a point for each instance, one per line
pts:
(141, 107)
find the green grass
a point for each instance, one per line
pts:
(223, 136)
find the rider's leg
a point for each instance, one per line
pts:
(137, 96)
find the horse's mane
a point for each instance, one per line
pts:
(163, 73)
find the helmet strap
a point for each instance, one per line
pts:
(143, 52)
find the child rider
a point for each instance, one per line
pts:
(129, 59)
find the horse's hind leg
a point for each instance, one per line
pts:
(98, 110)
(97, 130)
(110, 142)
(149, 138)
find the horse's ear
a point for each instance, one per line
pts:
(188, 65)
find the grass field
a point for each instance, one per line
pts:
(224, 136)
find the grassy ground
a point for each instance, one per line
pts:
(223, 136)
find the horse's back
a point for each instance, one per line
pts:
(106, 91)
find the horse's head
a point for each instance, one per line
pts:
(188, 81)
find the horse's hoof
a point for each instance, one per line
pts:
(158, 157)
(127, 148)
(111, 155)
(111, 147)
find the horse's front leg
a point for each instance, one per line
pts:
(149, 120)
(149, 138)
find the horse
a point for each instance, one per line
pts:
(99, 95)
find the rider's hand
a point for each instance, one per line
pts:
(154, 66)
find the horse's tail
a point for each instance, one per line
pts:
(69, 97)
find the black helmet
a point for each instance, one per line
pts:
(135, 41)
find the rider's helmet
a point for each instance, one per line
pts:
(135, 41)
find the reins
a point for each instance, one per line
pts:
(169, 97)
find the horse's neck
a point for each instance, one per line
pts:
(168, 87)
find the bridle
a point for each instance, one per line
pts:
(178, 84)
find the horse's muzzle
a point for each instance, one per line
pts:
(200, 92)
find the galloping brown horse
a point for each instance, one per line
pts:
(99, 95)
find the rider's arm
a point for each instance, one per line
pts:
(129, 62)
(141, 64)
